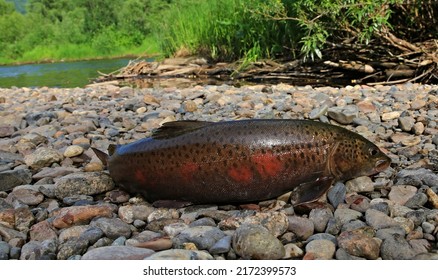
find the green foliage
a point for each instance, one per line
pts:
(245, 30)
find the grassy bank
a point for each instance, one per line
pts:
(222, 30)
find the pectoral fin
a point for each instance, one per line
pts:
(311, 191)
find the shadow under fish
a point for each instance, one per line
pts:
(195, 162)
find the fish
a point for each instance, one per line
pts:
(241, 161)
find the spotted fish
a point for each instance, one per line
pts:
(241, 161)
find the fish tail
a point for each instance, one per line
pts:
(101, 155)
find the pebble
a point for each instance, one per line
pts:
(58, 202)
(129, 213)
(204, 237)
(343, 115)
(180, 254)
(379, 220)
(112, 227)
(83, 183)
(11, 178)
(360, 184)
(400, 194)
(69, 216)
(358, 244)
(42, 157)
(336, 194)
(73, 151)
(256, 242)
(320, 218)
(303, 228)
(117, 253)
(320, 250)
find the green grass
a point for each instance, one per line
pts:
(71, 52)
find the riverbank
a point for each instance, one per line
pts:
(49, 211)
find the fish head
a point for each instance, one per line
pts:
(355, 157)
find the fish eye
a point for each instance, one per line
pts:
(373, 151)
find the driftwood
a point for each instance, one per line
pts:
(388, 61)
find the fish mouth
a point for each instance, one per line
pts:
(381, 165)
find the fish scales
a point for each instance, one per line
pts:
(242, 161)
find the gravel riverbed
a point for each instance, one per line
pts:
(57, 201)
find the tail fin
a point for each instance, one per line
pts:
(101, 155)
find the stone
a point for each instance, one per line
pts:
(180, 254)
(325, 236)
(162, 213)
(396, 247)
(83, 183)
(120, 241)
(156, 244)
(54, 172)
(42, 157)
(417, 201)
(292, 251)
(35, 250)
(341, 254)
(26, 196)
(358, 244)
(73, 246)
(204, 237)
(112, 227)
(320, 218)
(24, 218)
(406, 123)
(360, 184)
(433, 198)
(91, 234)
(117, 253)
(129, 213)
(72, 232)
(342, 215)
(206, 221)
(302, 227)
(379, 220)
(173, 230)
(336, 194)
(222, 246)
(391, 115)
(400, 194)
(7, 233)
(78, 198)
(11, 178)
(73, 151)
(75, 215)
(343, 115)
(256, 242)
(320, 249)
(358, 202)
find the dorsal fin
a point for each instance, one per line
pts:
(176, 128)
(101, 155)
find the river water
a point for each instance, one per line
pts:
(59, 74)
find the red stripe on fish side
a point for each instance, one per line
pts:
(267, 165)
(187, 171)
(241, 174)
(140, 177)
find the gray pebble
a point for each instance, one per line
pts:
(320, 218)
(207, 221)
(352, 225)
(256, 242)
(418, 200)
(343, 115)
(120, 241)
(42, 157)
(73, 246)
(92, 234)
(427, 227)
(204, 237)
(222, 246)
(320, 249)
(380, 206)
(385, 233)
(12, 178)
(360, 184)
(83, 183)
(378, 220)
(341, 254)
(117, 253)
(395, 247)
(343, 215)
(336, 194)
(302, 227)
(15, 253)
(70, 200)
(325, 236)
(112, 227)
(180, 254)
